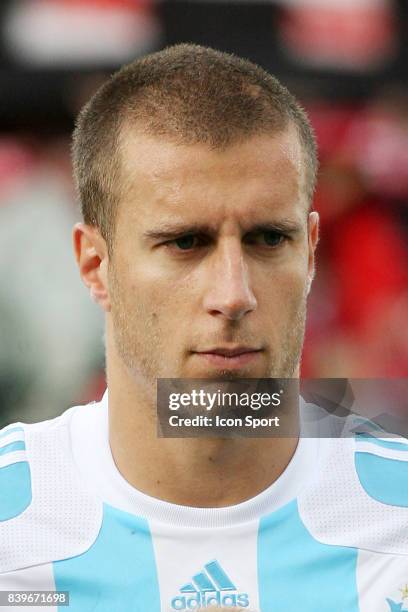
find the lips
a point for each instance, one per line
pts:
(230, 358)
(229, 352)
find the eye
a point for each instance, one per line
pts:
(273, 238)
(268, 238)
(186, 242)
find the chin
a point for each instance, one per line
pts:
(227, 374)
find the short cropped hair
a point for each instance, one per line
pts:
(185, 93)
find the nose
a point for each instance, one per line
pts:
(229, 293)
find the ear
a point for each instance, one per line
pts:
(91, 254)
(313, 234)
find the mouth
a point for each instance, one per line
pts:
(229, 358)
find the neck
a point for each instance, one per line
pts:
(167, 468)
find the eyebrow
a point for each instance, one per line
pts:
(172, 230)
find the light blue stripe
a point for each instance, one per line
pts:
(15, 489)
(383, 443)
(13, 446)
(383, 479)
(6, 432)
(296, 573)
(220, 578)
(188, 588)
(117, 573)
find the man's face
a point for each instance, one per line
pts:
(213, 253)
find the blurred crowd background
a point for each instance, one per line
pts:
(346, 60)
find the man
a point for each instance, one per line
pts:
(196, 171)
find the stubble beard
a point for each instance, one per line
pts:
(140, 352)
(137, 337)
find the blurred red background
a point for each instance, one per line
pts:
(345, 60)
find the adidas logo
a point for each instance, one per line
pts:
(211, 587)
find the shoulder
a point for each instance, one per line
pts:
(15, 479)
(46, 513)
(358, 497)
(381, 463)
(16, 460)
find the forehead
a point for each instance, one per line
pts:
(160, 177)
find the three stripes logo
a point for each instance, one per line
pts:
(211, 587)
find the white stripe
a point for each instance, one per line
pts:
(10, 428)
(387, 453)
(16, 436)
(381, 434)
(380, 577)
(373, 439)
(14, 457)
(179, 557)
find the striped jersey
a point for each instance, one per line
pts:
(329, 535)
